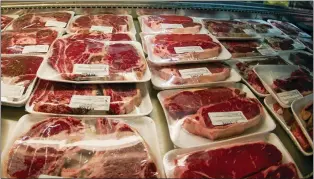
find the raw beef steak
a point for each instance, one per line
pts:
(189, 101)
(226, 28)
(13, 42)
(201, 124)
(165, 46)
(119, 23)
(19, 70)
(99, 36)
(234, 162)
(217, 72)
(5, 21)
(287, 28)
(283, 171)
(242, 48)
(280, 42)
(39, 19)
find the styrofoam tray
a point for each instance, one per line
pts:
(302, 34)
(180, 136)
(269, 101)
(296, 108)
(269, 73)
(224, 55)
(286, 57)
(162, 84)
(274, 30)
(47, 72)
(144, 125)
(12, 16)
(145, 108)
(171, 156)
(132, 28)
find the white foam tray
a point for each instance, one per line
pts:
(180, 136)
(47, 72)
(171, 156)
(144, 125)
(162, 84)
(12, 16)
(144, 109)
(269, 101)
(156, 60)
(286, 57)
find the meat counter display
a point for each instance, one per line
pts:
(102, 92)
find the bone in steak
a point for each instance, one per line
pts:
(189, 101)
(242, 48)
(218, 72)
(165, 44)
(283, 171)
(200, 123)
(227, 28)
(13, 42)
(5, 21)
(39, 19)
(237, 161)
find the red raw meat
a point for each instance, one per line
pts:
(19, 69)
(39, 19)
(283, 171)
(5, 20)
(99, 36)
(226, 28)
(242, 48)
(304, 60)
(13, 42)
(232, 162)
(200, 123)
(280, 42)
(189, 101)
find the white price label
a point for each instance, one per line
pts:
(194, 72)
(223, 118)
(171, 26)
(289, 96)
(266, 51)
(51, 23)
(11, 91)
(91, 69)
(35, 49)
(188, 49)
(104, 29)
(101, 103)
(249, 31)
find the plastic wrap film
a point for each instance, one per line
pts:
(95, 11)
(289, 29)
(69, 147)
(308, 42)
(303, 59)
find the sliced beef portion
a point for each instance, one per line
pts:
(226, 28)
(5, 21)
(238, 161)
(283, 171)
(242, 48)
(280, 43)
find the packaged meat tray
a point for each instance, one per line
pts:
(146, 11)
(106, 23)
(290, 124)
(69, 147)
(248, 48)
(109, 100)
(230, 29)
(7, 20)
(308, 43)
(261, 27)
(95, 11)
(289, 29)
(169, 49)
(210, 115)
(300, 58)
(33, 20)
(283, 43)
(285, 83)
(258, 157)
(80, 60)
(174, 24)
(18, 76)
(28, 40)
(193, 75)
(245, 68)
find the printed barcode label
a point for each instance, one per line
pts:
(104, 29)
(171, 26)
(51, 23)
(249, 31)
(35, 49)
(90, 102)
(11, 91)
(288, 97)
(267, 51)
(194, 72)
(188, 49)
(223, 118)
(91, 69)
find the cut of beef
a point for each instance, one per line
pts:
(99, 36)
(119, 23)
(305, 60)
(242, 48)
(227, 28)
(217, 72)
(189, 101)
(280, 42)
(5, 21)
(238, 161)
(39, 19)
(260, 26)
(283, 171)
(13, 42)
(201, 124)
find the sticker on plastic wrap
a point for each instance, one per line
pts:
(91, 69)
(104, 29)
(11, 91)
(188, 49)
(266, 50)
(194, 72)
(289, 96)
(249, 31)
(97, 103)
(223, 118)
(35, 49)
(171, 26)
(51, 23)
